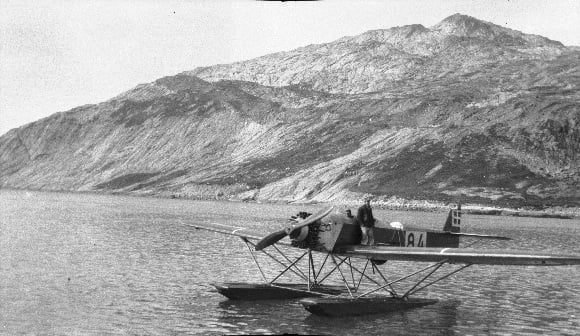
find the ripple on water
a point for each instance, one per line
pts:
(93, 264)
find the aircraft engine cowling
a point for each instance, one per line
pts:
(306, 237)
(299, 235)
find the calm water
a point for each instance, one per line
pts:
(92, 264)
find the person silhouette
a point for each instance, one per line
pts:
(366, 221)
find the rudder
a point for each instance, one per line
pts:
(453, 222)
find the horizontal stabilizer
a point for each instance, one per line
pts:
(475, 235)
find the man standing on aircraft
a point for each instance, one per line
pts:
(366, 220)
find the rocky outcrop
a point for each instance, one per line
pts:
(464, 110)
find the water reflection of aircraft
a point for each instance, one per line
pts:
(337, 237)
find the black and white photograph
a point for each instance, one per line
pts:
(331, 167)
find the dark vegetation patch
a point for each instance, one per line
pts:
(473, 163)
(247, 104)
(555, 139)
(131, 113)
(184, 82)
(566, 134)
(476, 162)
(188, 101)
(163, 179)
(125, 181)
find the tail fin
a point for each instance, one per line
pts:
(453, 222)
(453, 226)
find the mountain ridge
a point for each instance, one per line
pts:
(463, 110)
(387, 56)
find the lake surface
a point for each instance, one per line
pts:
(101, 264)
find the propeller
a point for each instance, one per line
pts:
(274, 237)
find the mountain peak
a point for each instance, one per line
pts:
(462, 18)
(465, 25)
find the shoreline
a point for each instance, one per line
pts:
(472, 209)
(393, 203)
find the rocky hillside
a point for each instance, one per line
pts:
(381, 60)
(464, 110)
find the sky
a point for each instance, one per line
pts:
(56, 55)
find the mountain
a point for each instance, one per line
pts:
(464, 110)
(379, 60)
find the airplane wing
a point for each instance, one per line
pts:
(460, 255)
(237, 231)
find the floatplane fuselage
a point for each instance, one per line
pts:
(337, 237)
(333, 232)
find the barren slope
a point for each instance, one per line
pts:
(462, 110)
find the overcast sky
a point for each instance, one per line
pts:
(56, 55)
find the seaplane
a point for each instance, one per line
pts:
(360, 287)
